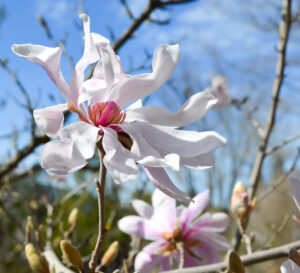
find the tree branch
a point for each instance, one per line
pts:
(254, 258)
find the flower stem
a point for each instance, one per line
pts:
(101, 233)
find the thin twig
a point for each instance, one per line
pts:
(101, 209)
(254, 258)
(283, 143)
(284, 29)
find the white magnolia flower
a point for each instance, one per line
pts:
(129, 135)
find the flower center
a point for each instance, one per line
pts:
(106, 113)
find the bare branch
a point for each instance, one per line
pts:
(283, 143)
(284, 29)
(254, 258)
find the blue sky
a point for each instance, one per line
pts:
(228, 37)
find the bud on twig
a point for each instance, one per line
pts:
(239, 202)
(235, 264)
(110, 254)
(37, 262)
(71, 254)
(73, 217)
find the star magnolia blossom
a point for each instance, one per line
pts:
(136, 134)
(170, 226)
(289, 266)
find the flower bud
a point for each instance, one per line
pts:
(73, 217)
(110, 254)
(239, 202)
(71, 254)
(37, 262)
(235, 264)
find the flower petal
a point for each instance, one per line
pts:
(195, 208)
(295, 190)
(213, 239)
(50, 119)
(289, 267)
(164, 215)
(84, 136)
(161, 180)
(137, 226)
(61, 157)
(136, 87)
(90, 55)
(199, 162)
(146, 260)
(203, 255)
(119, 161)
(193, 109)
(214, 222)
(166, 140)
(49, 59)
(142, 208)
(146, 154)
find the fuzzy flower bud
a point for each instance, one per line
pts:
(110, 254)
(71, 254)
(37, 262)
(239, 202)
(73, 217)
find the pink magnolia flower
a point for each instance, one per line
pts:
(129, 135)
(290, 266)
(169, 226)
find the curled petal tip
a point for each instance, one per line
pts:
(84, 17)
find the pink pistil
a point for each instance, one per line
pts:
(106, 113)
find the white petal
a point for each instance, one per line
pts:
(161, 180)
(119, 161)
(142, 208)
(49, 59)
(137, 87)
(50, 119)
(193, 109)
(147, 154)
(289, 267)
(199, 162)
(166, 140)
(90, 55)
(295, 190)
(84, 136)
(61, 157)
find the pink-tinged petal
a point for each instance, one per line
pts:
(164, 215)
(200, 162)
(295, 190)
(50, 119)
(61, 157)
(193, 109)
(49, 59)
(165, 263)
(84, 136)
(202, 255)
(214, 222)
(137, 87)
(168, 140)
(119, 161)
(90, 55)
(142, 208)
(213, 239)
(137, 226)
(159, 178)
(289, 267)
(147, 259)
